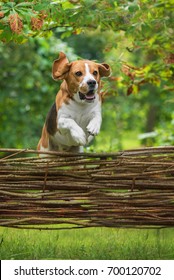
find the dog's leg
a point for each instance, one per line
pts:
(69, 125)
(95, 123)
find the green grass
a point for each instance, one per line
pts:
(81, 244)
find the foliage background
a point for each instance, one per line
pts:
(135, 37)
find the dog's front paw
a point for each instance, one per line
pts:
(79, 136)
(93, 127)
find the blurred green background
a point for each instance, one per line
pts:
(27, 91)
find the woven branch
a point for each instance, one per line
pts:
(132, 188)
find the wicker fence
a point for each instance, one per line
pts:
(132, 188)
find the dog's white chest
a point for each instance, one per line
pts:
(80, 113)
(73, 120)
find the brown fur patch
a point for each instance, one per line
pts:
(44, 141)
(63, 95)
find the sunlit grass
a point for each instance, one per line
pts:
(94, 243)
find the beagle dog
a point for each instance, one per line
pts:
(75, 117)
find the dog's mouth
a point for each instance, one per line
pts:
(89, 96)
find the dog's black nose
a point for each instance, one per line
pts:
(91, 83)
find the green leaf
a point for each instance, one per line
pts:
(40, 7)
(11, 4)
(26, 12)
(24, 4)
(146, 29)
(133, 8)
(6, 10)
(67, 5)
(6, 35)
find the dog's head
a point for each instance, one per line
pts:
(82, 76)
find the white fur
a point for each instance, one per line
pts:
(78, 123)
(43, 150)
(88, 76)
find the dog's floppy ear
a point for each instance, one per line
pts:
(104, 70)
(60, 67)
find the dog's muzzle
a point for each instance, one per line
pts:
(89, 96)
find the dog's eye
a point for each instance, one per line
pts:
(79, 73)
(95, 73)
